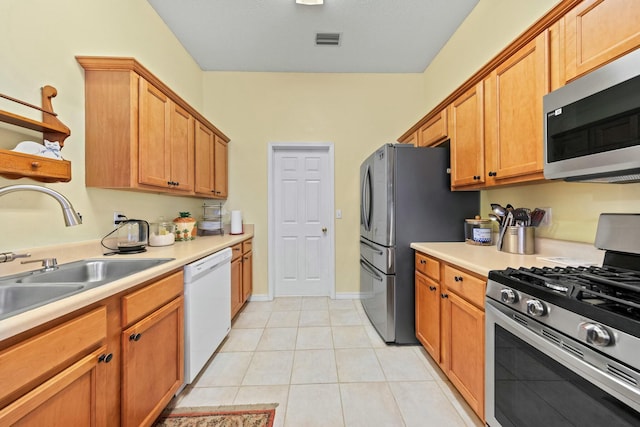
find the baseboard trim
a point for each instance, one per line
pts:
(339, 295)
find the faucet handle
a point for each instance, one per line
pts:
(47, 263)
(10, 256)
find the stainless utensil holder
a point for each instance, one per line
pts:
(519, 240)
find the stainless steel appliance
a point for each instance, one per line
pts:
(405, 197)
(563, 343)
(592, 125)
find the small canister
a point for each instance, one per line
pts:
(478, 231)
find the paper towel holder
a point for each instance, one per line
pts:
(237, 227)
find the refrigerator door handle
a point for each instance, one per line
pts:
(369, 245)
(371, 271)
(366, 199)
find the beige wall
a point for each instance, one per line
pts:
(355, 112)
(38, 43)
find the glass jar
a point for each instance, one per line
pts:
(478, 231)
(162, 233)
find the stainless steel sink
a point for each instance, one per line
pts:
(15, 299)
(92, 271)
(24, 291)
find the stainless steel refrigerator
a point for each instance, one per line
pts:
(405, 197)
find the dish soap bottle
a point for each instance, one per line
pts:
(185, 227)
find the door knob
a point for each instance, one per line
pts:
(324, 229)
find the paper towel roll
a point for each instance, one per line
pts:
(236, 222)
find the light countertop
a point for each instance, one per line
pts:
(182, 252)
(482, 259)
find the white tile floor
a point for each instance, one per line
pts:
(324, 365)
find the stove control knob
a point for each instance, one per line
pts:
(595, 334)
(508, 296)
(536, 308)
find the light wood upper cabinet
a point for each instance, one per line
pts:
(466, 115)
(411, 139)
(141, 135)
(154, 138)
(597, 32)
(204, 163)
(221, 168)
(513, 114)
(434, 131)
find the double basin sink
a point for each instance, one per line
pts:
(25, 291)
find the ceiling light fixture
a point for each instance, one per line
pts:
(310, 2)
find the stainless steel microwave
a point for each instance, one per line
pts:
(592, 125)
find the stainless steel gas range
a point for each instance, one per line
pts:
(563, 343)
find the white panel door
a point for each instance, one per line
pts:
(302, 217)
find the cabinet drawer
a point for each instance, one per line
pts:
(144, 301)
(465, 285)
(30, 362)
(40, 168)
(247, 245)
(428, 266)
(236, 251)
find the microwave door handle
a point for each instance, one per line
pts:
(369, 245)
(372, 272)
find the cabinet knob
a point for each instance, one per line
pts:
(177, 183)
(492, 173)
(106, 358)
(35, 165)
(423, 261)
(135, 337)
(432, 288)
(444, 296)
(458, 278)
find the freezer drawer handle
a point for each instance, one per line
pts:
(371, 271)
(369, 245)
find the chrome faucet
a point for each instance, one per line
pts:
(71, 217)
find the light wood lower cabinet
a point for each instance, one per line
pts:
(450, 324)
(85, 369)
(152, 363)
(241, 275)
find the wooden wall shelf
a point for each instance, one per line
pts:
(15, 165)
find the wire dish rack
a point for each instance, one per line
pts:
(211, 223)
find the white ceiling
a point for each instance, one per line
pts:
(377, 36)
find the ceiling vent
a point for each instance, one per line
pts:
(327, 39)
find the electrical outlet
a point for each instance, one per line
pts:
(339, 213)
(117, 217)
(546, 219)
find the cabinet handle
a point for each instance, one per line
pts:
(432, 288)
(458, 278)
(135, 337)
(444, 296)
(423, 261)
(177, 184)
(106, 358)
(246, 258)
(493, 173)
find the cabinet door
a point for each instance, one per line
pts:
(236, 286)
(247, 275)
(412, 139)
(182, 149)
(204, 163)
(220, 168)
(465, 342)
(74, 397)
(513, 113)
(154, 150)
(467, 138)
(428, 315)
(152, 363)
(598, 31)
(434, 131)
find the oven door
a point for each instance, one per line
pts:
(532, 381)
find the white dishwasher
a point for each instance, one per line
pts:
(207, 309)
